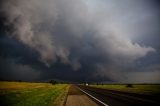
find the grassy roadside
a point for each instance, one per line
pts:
(137, 88)
(31, 94)
(61, 99)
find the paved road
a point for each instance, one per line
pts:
(77, 98)
(117, 98)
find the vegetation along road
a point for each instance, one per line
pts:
(32, 94)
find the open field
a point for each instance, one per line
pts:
(136, 88)
(32, 94)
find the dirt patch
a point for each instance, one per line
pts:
(78, 98)
(74, 91)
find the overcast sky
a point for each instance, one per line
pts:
(80, 40)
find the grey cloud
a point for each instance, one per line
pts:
(66, 31)
(143, 77)
(11, 70)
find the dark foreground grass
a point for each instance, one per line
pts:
(31, 94)
(153, 89)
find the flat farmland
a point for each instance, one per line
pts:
(32, 94)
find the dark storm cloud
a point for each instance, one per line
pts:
(10, 70)
(77, 40)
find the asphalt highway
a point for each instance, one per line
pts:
(118, 98)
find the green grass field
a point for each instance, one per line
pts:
(32, 94)
(137, 88)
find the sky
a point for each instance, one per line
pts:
(80, 40)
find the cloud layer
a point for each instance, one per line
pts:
(75, 32)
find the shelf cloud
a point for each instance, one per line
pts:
(99, 36)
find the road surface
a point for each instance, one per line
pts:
(118, 98)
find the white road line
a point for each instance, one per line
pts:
(93, 97)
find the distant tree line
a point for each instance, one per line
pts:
(57, 82)
(53, 82)
(129, 85)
